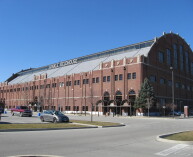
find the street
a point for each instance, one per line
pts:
(136, 139)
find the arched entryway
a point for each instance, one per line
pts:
(106, 99)
(118, 99)
(131, 98)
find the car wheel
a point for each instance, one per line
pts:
(54, 120)
(21, 115)
(42, 119)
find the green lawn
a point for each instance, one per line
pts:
(57, 125)
(38, 126)
(184, 136)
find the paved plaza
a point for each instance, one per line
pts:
(136, 139)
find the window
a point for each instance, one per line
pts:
(129, 76)
(169, 82)
(93, 80)
(104, 78)
(53, 85)
(48, 86)
(161, 57)
(183, 86)
(68, 83)
(187, 62)
(152, 78)
(168, 57)
(181, 58)
(134, 75)
(108, 78)
(177, 84)
(175, 57)
(85, 81)
(75, 82)
(162, 81)
(116, 77)
(78, 82)
(97, 80)
(188, 87)
(120, 76)
(192, 68)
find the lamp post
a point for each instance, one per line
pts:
(171, 68)
(91, 104)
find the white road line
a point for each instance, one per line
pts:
(172, 150)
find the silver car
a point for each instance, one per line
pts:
(53, 116)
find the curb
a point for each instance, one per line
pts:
(161, 138)
(121, 125)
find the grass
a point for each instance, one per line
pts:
(184, 136)
(57, 125)
(95, 123)
(38, 126)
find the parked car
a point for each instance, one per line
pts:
(53, 116)
(21, 111)
(175, 113)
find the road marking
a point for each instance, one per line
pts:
(172, 150)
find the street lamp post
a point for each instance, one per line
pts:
(171, 68)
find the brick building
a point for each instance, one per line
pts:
(107, 81)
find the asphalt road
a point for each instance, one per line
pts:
(136, 139)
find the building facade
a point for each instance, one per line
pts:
(108, 81)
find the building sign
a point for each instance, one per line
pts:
(64, 63)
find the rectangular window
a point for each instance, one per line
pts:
(120, 76)
(97, 80)
(93, 80)
(152, 78)
(161, 57)
(168, 57)
(108, 78)
(175, 57)
(169, 82)
(162, 81)
(134, 75)
(116, 77)
(85, 81)
(68, 83)
(192, 68)
(104, 78)
(187, 62)
(177, 84)
(78, 82)
(181, 58)
(129, 76)
(75, 82)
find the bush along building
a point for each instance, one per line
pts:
(108, 82)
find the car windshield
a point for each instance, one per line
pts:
(58, 113)
(24, 107)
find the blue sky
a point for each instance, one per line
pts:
(35, 33)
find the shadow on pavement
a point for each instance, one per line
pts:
(5, 122)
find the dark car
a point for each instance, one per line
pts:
(175, 113)
(53, 116)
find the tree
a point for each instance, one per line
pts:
(146, 96)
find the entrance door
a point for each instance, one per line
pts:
(118, 100)
(106, 99)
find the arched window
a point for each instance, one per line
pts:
(131, 92)
(106, 94)
(118, 93)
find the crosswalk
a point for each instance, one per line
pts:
(179, 150)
